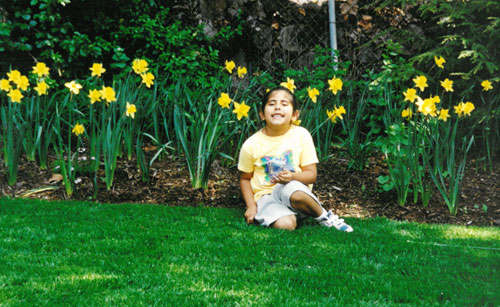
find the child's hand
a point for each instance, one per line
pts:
(284, 177)
(250, 214)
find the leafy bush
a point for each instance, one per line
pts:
(70, 35)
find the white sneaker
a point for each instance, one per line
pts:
(332, 220)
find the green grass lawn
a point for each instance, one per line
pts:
(77, 253)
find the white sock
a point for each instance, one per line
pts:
(322, 216)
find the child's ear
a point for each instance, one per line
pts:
(261, 115)
(295, 115)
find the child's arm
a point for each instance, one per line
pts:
(247, 192)
(307, 176)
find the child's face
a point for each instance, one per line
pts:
(278, 111)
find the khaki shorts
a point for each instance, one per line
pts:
(271, 207)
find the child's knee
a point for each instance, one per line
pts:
(298, 198)
(287, 222)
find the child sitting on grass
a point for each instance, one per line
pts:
(278, 166)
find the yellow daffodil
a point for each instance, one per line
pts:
(242, 71)
(296, 122)
(41, 88)
(73, 87)
(468, 108)
(447, 84)
(443, 114)
(335, 85)
(407, 113)
(339, 111)
(131, 109)
(439, 61)
(94, 95)
(410, 95)
(41, 69)
(313, 94)
(230, 66)
(78, 129)
(15, 95)
(436, 99)
(428, 107)
(486, 84)
(459, 109)
(97, 69)
(336, 113)
(289, 84)
(332, 115)
(419, 103)
(5, 85)
(464, 108)
(241, 110)
(420, 82)
(224, 101)
(14, 76)
(108, 94)
(140, 66)
(23, 83)
(147, 79)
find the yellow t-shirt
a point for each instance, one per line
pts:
(265, 155)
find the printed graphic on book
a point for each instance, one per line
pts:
(274, 165)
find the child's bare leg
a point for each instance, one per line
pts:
(304, 203)
(288, 222)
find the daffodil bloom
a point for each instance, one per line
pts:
(242, 71)
(464, 108)
(147, 79)
(443, 114)
(131, 109)
(14, 76)
(23, 83)
(230, 66)
(447, 84)
(420, 82)
(15, 95)
(289, 84)
(428, 107)
(419, 103)
(224, 101)
(94, 95)
(241, 110)
(41, 88)
(313, 94)
(332, 115)
(296, 122)
(97, 69)
(78, 129)
(108, 94)
(468, 108)
(410, 95)
(459, 109)
(407, 113)
(339, 111)
(436, 99)
(486, 84)
(41, 69)
(140, 66)
(73, 87)
(5, 85)
(335, 85)
(439, 61)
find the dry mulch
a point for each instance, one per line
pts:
(348, 193)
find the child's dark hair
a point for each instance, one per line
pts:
(295, 102)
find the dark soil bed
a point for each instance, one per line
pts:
(349, 193)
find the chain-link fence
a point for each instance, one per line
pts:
(288, 33)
